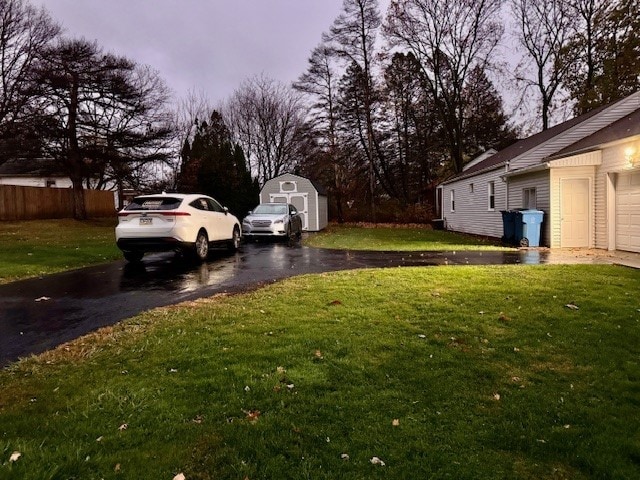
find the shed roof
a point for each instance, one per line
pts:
(319, 188)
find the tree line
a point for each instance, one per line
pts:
(388, 106)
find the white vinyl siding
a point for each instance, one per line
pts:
(613, 164)
(471, 214)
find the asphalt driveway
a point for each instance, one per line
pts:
(39, 314)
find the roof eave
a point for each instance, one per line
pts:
(497, 166)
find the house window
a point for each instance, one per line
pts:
(453, 200)
(50, 183)
(491, 190)
(529, 198)
(471, 188)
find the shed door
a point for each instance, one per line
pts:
(574, 218)
(298, 200)
(628, 212)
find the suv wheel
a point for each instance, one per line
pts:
(201, 247)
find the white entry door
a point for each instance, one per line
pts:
(298, 200)
(574, 218)
(628, 212)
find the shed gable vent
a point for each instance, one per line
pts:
(288, 186)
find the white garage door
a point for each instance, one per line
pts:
(628, 212)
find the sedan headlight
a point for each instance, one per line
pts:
(278, 221)
(246, 222)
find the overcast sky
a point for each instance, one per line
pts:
(209, 45)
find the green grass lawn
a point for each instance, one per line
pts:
(527, 372)
(38, 247)
(399, 238)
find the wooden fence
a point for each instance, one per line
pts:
(30, 203)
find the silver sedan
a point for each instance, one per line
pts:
(273, 220)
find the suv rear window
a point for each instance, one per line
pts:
(154, 203)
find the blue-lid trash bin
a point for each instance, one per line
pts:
(531, 223)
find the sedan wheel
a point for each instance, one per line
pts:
(201, 248)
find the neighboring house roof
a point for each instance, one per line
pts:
(626, 127)
(523, 146)
(31, 167)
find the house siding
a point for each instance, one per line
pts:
(613, 163)
(472, 214)
(539, 181)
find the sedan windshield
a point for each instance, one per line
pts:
(270, 210)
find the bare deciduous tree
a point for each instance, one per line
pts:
(102, 113)
(24, 32)
(266, 118)
(320, 82)
(352, 37)
(448, 39)
(544, 29)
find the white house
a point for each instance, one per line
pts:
(39, 172)
(584, 174)
(36, 172)
(308, 198)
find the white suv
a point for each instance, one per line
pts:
(172, 221)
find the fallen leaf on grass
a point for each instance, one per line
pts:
(344, 456)
(377, 461)
(496, 396)
(395, 422)
(572, 306)
(503, 317)
(43, 299)
(318, 355)
(335, 302)
(252, 415)
(14, 457)
(179, 476)
(123, 427)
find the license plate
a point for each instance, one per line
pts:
(146, 220)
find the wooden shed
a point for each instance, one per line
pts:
(308, 197)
